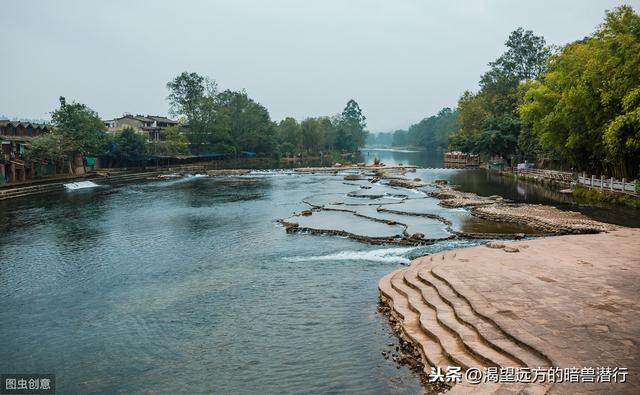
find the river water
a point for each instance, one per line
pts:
(191, 286)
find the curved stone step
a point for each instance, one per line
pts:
(535, 358)
(431, 350)
(532, 357)
(489, 332)
(425, 317)
(472, 340)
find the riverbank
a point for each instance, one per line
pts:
(479, 307)
(579, 192)
(113, 176)
(545, 218)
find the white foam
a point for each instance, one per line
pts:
(80, 185)
(387, 255)
(270, 173)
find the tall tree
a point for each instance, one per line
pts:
(250, 125)
(128, 146)
(311, 134)
(80, 127)
(490, 116)
(585, 108)
(351, 128)
(290, 135)
(186, 92)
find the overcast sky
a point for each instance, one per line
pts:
(400, 60)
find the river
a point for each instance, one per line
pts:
(191, 286)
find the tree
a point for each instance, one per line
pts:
(351, 132)
(622, 136)
(584, 108)
(174, 142)
(491, 114)
(225, 121)
(249, 123)
(186, 93)
(328, 133)
(400, 138)
(433, 131)
(80, 128)
(290, 134)
(49, 148)
(311, 135)
(128, 146)
(525, 57)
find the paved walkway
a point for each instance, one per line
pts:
(567, 301)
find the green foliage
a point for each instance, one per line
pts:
(225, 121)
(434, 131)
(585, 108)
(49, 147)
(290, 136)
(248, 122)
(186, 92)
(80, 128)
(431, 132)
(400, 138)
(127, 146)
(351, 132)
(311, 135)
(231, 122)
(590, 196)
(488, 122)
(174, 143)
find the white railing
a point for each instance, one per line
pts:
(610, 184)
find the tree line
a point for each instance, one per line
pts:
(216, 122)
(576, 106)
(232, 122)
(431, 132)
(573, 107)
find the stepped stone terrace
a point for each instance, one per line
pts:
(566, 301)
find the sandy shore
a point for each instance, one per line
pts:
(567, 301)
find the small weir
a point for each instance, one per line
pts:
(72, 186)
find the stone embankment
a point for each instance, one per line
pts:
(548, 219)
(562, 302)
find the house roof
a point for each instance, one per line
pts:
(159, 118)
(6, 122)
(148, 118)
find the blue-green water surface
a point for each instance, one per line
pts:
(191, 286)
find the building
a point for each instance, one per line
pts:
(14, 137)
(460, 160)
(149, 125)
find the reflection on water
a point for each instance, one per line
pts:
(486, 183)
(426, 159)
(191, 287)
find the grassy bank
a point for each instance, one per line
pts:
(593, 196)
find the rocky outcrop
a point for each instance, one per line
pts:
(485, 307)
(453, 199)
(546, 218)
